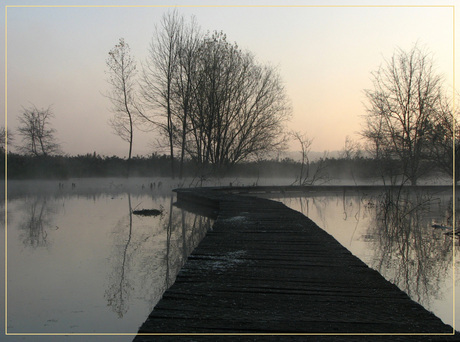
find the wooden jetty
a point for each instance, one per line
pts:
(267, 272)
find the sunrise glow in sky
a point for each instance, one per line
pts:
(325, 56)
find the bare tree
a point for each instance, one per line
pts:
(309, 175)
(159, 73)
(373, 133)
(189, 42)
(305, 146)
(6, 138)
(401, 106)
(445, 139)
(38, 137)
(122, 78)
(351, 149)
(240, 106)
(388, 167)
(210, 100)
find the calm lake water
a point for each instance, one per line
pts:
(393, 234)
(80, 262)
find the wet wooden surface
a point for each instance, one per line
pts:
(267, 269)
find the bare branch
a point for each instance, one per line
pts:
(121, 69)
(38, 137)
(402, 105)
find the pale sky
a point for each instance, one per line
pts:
(325, 56)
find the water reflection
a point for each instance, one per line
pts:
(392, 232)
(407, 249)
(150, 261)
(37, 213)
(185, 231)
(117, 295)
(85, 263)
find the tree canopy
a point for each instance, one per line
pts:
(401, 108)
(213, 101)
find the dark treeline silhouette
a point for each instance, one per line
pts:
(89, 165)
(94, 165)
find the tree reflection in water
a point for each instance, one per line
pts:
(118, 293)
(38, 220)
(408, 251)
(148, 252)
(392, 233)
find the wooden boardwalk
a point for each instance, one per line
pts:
(267, 269)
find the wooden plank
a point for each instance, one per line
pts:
(265, 268)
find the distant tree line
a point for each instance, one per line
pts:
(327, 170)
(219, 111)
(89, 165)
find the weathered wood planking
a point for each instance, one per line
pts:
(265, 268)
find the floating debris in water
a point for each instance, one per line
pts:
(148, 212)
(440, 226)
(450, 230)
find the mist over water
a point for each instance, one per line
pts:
(79, 261)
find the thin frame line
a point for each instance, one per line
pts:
(6, 171)
(232, 6)
(453, 166)
(217, 6)
(230, 334)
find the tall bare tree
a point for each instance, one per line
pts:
(305, 147)
(122, 78)
(159, 74)
(189, 43)
(401, 106)
(211, 101)
(38, 137)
